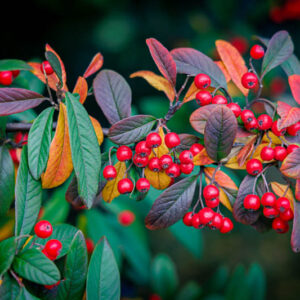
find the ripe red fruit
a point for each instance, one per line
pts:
(154, 164)
(252, 202)
(50, 287)
(282, 204)
(43, 229)
(196, 221)
(257, 52)
(268, 199)
(53, 247)
(212, 203)
(153, 140)
(264, 122)
(48, 69)
(280, 226)
(240, 43)
(154, 297)
(227, 225)
(142, 149)
(143, 185)
(165, 161)
(126, 217)
(125, 186)
(249, 80)
(217, 221)
(15, 73)
(48, 255)
(235, 108)
(206, 215)
(291, 148)
(89, 245)
(196, 148)
(172, 140)
(186, 156)
(280, 153)
(210, 192)
(202, 81)
(188, 219)
(287, 215)
(140, 161)
(173, 171)
(270, 212)
(275, 129)
(203, 98)
(252, 125)
(247, 115)
(109, 172)
(6, 78)
(254, 166)
(187, 168)
(124, 153)
(219, 99)
(293, 129)
(267, 153)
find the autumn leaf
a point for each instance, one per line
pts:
(297, 190)
(193, 90)
(94, 66)
(98, 130)
(274, 139)
(289, 115)
(221, 65)
(246, 151)
(294, 82)
(202, 158)
(279, 189)
(81, 88)
(291, 165)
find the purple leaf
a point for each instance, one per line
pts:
(186, 141)
(295, 238)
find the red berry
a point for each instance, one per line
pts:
(15, 73)
(48, 69)
(125, 186)
(154, 297)
(196, 222)
(275, 129)
(140, 161)
(291, 148)
(268, 199)
(240, 43)
(252, 125)
(203, 98)
(264, 122)
(154, 164)
(219, 99)
(142, 149)
(257, 52)
(89, 245)
(153, 140)
(217, 221)
(254, 166)
(50, 287)
(206, 215)
(188, 219)
(227, 225)
(267, 153)
(53, 247)
(196, 148)
(247, 115)
(165, 161)
(109, 172)
(293, 129)
(287, 215)
(280, 153)
(48, 255)
(43, 229)
(143, 185)
(249, 80)
(6, 78)
(235, 108)
(124, 153)
(186, 156)
(252, 202)
(202, 81)
(283, 204)
(172, 140)
(187, 168)
(280, 226)
(270, 212)
(126, 217)
(212, 203)
(173, 171)
(210, 192)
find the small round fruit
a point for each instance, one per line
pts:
(6, 78)
(153, 140)
(142, 149)
(196, 221)
(268, 199)
(275, 129)
(89, 245)
(206, 215)
(227, 226)
(165, 161)
(264, 122)
(212, 203)
(196, 148)
(173, 171)
(235, 108)
(187, 168)
(125, 186)
(280, 153)
(247, 115)
(124, 153)
(47, 67)
(210, 192)
(267, 153)
(252, 125)
(15, 73)
(252, 202)
(280, 226)
(270, 212)
(140, 161)
(109, 172)
(43, 229)
(282, 204)
(249, 80)
(188, 219)
(126, 217)
(203, 98)
(257, 52)
(217, 221)
(186, 156)
(254, 166)
(143, 185)
(48, 255)
(293, 129)
(219, 99)
(202, 81)
(172, 140)
(154, 164)
(287, 215)
(291, 148)
(53, 247)
(50, 287)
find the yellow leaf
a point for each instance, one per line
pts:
(275, 139)
(59, 166)
(193, 90)
(202, 158)
(6, 230)
(110, 190)
(98, 130)
(279, 189)
(81, 88)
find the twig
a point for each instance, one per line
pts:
(200, 192)
(16, 277)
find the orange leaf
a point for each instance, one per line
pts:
(202, 158)
(94, 66)
(59, 166)
(289, 115)
(81, 88)
(98, 130)
(246, 151)
(234, 63)
(223, 69)
(294, 82)
(279, 189)
(158, 82)
(192, 91)
(297, 189)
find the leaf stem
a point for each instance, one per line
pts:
(16, 277)
(199, 201)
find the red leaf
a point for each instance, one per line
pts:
(163, 59)
(81, 88)
(294, 81)
(291, 165)
(246, 151)
(94, 66)
(288, 115)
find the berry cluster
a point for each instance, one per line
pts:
(278, 153)
(7, 77)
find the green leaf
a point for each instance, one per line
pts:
(13, 64)
(9, 289)
(256, 282)
(3, 121)
(7, 180)
(28, 198)
(39, 140)
(7, 254)
(103, 280)
(191, 291)
(237, 286)
(33, 265)
(85, 150)
(25, 295)
(164, 280)
(72, 287)
(55, 64)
